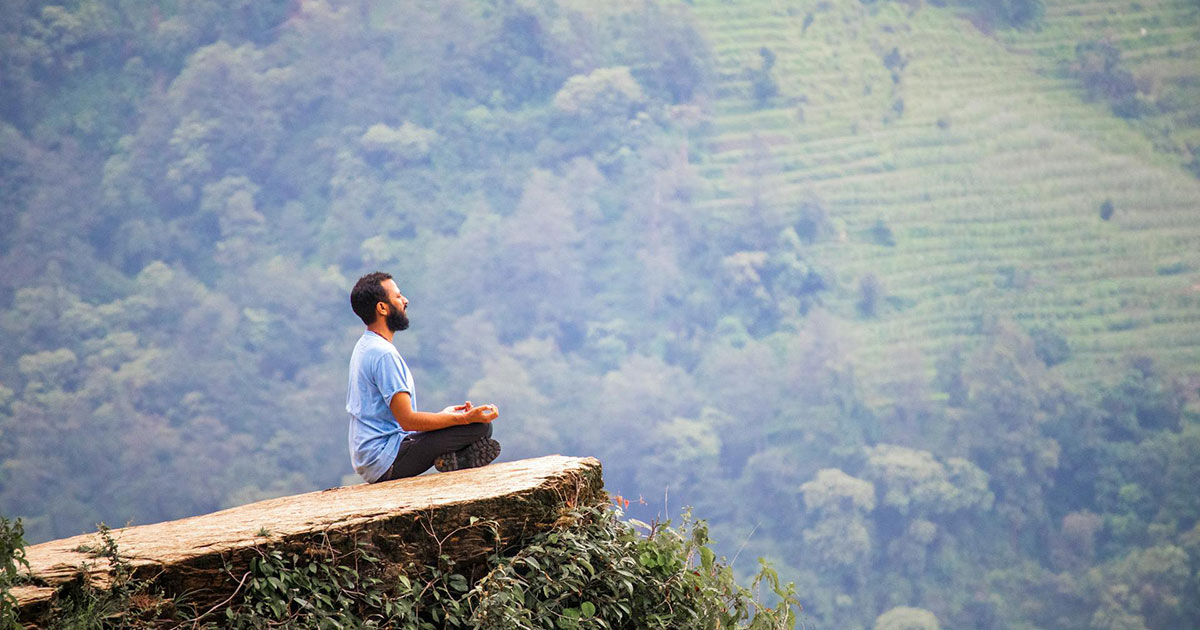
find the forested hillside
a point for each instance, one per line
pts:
(969, 170)
(902, 297)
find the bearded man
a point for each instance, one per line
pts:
(389, 438)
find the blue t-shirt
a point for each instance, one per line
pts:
(377, 372)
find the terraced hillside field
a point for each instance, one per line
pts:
(1158, 45)
(984, 158)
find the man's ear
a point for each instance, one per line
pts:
(381, 309)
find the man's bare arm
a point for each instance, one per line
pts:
(410, 420)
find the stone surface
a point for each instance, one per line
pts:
(408, 519)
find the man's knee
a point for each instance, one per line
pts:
(480, 429)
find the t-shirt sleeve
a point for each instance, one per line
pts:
(391, 377)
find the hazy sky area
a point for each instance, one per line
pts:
(903, 297)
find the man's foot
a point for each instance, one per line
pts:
(481, 452)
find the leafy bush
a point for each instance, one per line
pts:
(895, 62)
(606, 573)
(1050, 346)
(813, 222)
(124, 601)
(1107, 209)
(881, 233)
(12, 558)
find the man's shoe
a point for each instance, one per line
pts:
(481, 452)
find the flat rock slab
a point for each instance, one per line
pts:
(408, 519)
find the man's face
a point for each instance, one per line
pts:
(397, 315)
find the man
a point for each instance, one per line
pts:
(389, 438)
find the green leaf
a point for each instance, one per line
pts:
(587, 609)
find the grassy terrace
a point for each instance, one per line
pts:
(987, 162)
(1159, 44)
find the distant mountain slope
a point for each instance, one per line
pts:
(965, 176)
(1156, 43)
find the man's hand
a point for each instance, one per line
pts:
(411, 420)
(482, 413)
(463, 408)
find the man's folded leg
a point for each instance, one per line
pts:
(419, 450)
(478, 453)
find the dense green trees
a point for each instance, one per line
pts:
(186, 195)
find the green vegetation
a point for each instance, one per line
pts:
(765, 87)
(998, 163)
(901, 299)
(12, 559)
(592, 570)
(1138, 58)
(123, 601)
(1014, 13)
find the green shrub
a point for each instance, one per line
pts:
(602, 573)
(895, 62)
(813, 222)
(1107, 209)
(881, 234)
(1050, 346)
(12, 558)
(125, 602)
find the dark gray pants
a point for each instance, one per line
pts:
(418, 450)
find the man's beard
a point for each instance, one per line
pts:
(396, 320)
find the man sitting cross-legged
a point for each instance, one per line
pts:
(389, 438)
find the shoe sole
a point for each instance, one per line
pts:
(481, 452)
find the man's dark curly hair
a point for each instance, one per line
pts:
(368, 292)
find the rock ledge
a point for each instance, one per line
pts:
(405, 520)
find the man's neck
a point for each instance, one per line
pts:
(381, 329)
